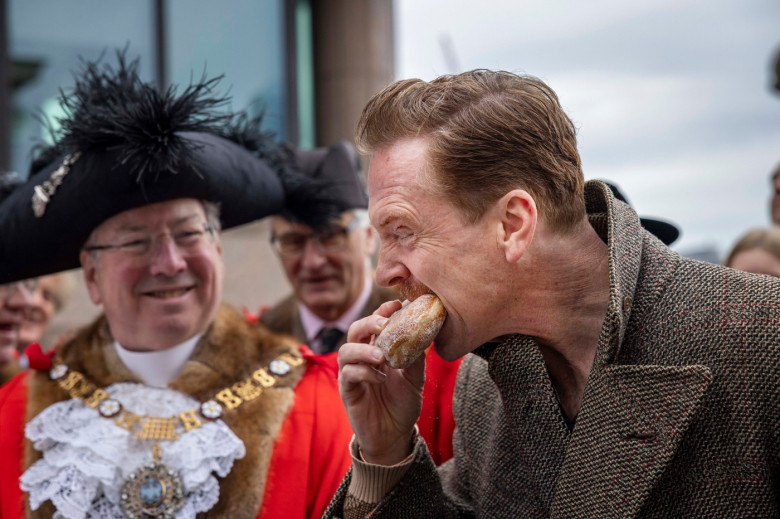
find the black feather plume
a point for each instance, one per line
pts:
(308, 200)
(111, 108)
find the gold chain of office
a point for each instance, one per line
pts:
(154, 428)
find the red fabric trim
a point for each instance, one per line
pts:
(38, 359)
(13, 410)
(250, 317)
(437, 422)
(311, 455)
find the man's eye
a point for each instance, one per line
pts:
(327, 237)
(293, 241)
(139, 245)
(188, 237)
(402, 233)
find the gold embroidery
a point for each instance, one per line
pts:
(164, 428)
(128, 420)
(95, 398)
(246, 390)
(263, 378)
(190, 420)
(157, 429)
(229, 400)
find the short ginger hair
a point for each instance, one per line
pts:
(488, 132)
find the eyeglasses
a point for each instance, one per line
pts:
(188, 241)
(27, 287)
(330, 240)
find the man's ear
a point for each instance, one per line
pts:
(517, 223)
(89, 267)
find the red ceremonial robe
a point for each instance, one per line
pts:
(310, 455)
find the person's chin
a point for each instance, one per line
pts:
(322, 294)
(170, 333)
(321, 286)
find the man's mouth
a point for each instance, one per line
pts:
(318, 279)
(167, 294)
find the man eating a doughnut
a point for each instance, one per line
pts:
(604, 374)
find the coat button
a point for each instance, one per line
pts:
(627, 304)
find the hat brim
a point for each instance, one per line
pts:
(664, 231)
(98, 187)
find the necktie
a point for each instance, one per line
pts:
(329, 338)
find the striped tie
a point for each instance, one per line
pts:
(329, 338)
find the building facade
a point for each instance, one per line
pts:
(308, 65)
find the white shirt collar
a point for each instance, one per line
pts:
(157, 368)
(313, 324)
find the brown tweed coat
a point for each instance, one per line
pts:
(285, 317)
(680, 416)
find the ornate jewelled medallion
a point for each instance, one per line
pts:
(152, 491)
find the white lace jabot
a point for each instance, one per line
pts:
(86, 457)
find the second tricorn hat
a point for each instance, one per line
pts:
(339, 167)
(665, 231)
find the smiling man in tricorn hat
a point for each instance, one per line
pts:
(170, 404)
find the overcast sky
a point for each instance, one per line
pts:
(673, 98)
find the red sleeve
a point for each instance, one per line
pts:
(311, 455)
(13, 407)
(436, 421)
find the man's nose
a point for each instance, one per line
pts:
(167, 259)
(389, 270)
(18, 298)
(311, 256)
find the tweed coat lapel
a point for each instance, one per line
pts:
(625, 436)
(633, 416)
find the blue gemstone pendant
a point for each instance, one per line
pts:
(153, 490)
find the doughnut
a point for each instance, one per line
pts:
(410, 330)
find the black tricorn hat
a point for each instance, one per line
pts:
(123, 145)
(665, 231)
(339, 167)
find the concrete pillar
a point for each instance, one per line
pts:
(353, 59)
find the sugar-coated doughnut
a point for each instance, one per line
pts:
(410, 330)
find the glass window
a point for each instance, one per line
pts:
(45, 41)
(242, 39)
